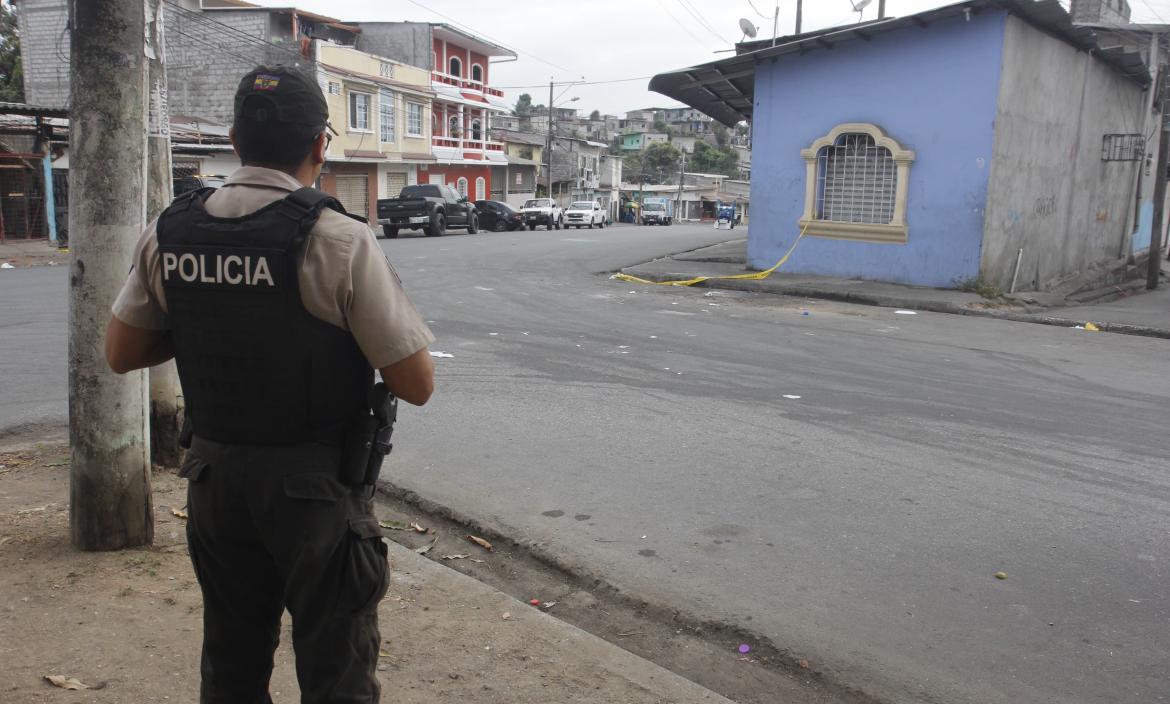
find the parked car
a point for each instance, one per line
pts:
(542, 211)
(432, 208)
(497, 216)
(585, 213)
(187, 184)
(657, 210)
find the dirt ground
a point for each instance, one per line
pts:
(25, 253)
(128, 623)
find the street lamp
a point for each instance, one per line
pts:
(549, 148)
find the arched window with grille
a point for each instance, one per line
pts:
(461, 186)
(856, 185)
(477, 73)
(476, 129)
(480, 188)
(456, 67)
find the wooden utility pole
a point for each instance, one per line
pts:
(109, 478)
(166, 396)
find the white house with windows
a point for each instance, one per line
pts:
(381, 110)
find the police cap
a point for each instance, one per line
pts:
(281, 93)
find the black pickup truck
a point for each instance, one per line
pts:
(431, 208)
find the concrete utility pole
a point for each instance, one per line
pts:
(799, 15)
(166, 396)
(682, 179)
(881, 9)
(549, 149)
(1154, 265)
(109, 479)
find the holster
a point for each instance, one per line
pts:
(368, 441)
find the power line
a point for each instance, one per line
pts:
(473, 32)
(767, 17)
(679, 22)
(578, 83)
(701, 20)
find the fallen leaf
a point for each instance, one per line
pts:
(479, 561)
(383, 654)
(456, 557)
(803, 663)
(507, 616)
(394, 525)
(1092, 328)
(548, 604)
(180, 513)
(426, 548)
(480, 542)
(1001, 575)
(419, 529)
(66, 682)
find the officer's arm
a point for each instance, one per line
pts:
(129, 348)
(412, 379)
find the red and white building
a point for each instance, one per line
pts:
(462, 111)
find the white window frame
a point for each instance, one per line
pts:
(480, 188)
(411, 107)
(472, 77)
(448, 66)
(386, 122)
(351, 101)
(334, 88)
(461, 187)
(896, 231)
(386, 70)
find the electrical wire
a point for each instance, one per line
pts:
(758, 11)
(679, 22)
(701, 20)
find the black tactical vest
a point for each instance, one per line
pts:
(255, 366)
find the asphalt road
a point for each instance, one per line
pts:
(645, 434)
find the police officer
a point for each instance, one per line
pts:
(277, 307)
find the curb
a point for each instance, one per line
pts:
(1025, 315)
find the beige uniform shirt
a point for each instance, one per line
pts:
(345, 279)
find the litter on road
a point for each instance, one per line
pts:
(441, 355)
(791, 396)
(6, 265)
(905, 312)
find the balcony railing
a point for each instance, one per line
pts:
(465, 84)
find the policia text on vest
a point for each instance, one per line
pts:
(251, 269)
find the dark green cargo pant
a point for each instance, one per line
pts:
(270, 529)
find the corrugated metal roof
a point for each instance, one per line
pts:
(725, 89)
(34, 110)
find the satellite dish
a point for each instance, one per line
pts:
(749, 29)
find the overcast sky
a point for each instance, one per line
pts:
(603, 40)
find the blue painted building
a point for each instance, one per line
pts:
(968, 141)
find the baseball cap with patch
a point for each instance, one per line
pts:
(284, 94)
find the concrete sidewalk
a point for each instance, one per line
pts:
(25, 253)
(1135, 312)
(127, 624)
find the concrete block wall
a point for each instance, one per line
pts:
(207, 53)
(44, 51)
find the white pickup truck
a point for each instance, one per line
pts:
(586, 213)
(542, 211)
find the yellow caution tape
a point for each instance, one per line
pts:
(754, 276)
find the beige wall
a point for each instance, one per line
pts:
(411, 85)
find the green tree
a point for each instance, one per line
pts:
(11, 73)
(661, 126)
(714, 160)
(595, 115)
(523, 105)
(721, 134)
(660, 163)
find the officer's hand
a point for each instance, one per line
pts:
(412, 379)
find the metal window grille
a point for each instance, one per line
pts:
(856, 181)
(461, 186)
(386, 115)
(1123, 147)
(334, 88)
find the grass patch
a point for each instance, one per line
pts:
(979, 285)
